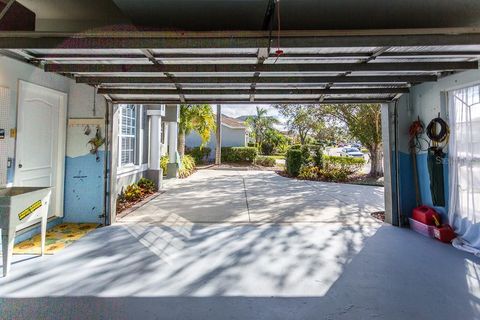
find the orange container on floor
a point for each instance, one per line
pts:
(425, 215)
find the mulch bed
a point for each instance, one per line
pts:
(125, 207)
(358, 179)
(242, 166)
(380, 215)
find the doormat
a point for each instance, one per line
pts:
(56, 239)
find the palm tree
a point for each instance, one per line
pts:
(260, 123)
(198, 118)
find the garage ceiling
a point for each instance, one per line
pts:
(223, 66)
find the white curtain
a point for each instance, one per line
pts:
(464, 168)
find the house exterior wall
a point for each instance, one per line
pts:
(230, 138)
(129, 176)
(84, 176)
(425, 101)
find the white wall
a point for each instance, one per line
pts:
(11, 71)
(230, 138)
(83, 174)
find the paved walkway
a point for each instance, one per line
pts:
(312, 253)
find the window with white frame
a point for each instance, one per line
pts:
(127, 135)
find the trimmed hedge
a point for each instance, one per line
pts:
(266, 161)
(199, 154)
(294, 161)
(239, 154)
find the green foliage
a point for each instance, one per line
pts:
(300, 119)
(335, 175)
(331, 174)
(364, 124)
(309, 173)
(132, 193)
(317, 156)
(147, 185)
(199, 154)
(239, 154)
(272, 140)
(260, 124)
(164, 164)
(347, 164)
(188, 166)
(265, 161)
(195, 117)
(293, 161)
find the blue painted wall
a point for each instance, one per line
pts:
(84, 188)
(425, 101)
(407, 185)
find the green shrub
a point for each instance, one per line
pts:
(188, 166)
(317, 156)
(239, 154)
(132, 193)
(309, 173)
(348, 164)
(296, 147)
(164, 164)
(199, 154)
(265, 161)
(335, 175)
(293, 161)
(147, 185)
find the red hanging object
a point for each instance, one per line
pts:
(279, 51)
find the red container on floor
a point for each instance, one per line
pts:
(444, 233)
(425, 215)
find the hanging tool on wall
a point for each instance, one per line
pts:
(415, 131)
(438, 132)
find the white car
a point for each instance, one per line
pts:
(352, 152)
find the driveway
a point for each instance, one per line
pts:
(248, 245)
(225, 196)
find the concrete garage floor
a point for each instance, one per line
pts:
(311, 251)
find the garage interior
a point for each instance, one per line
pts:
(404, 55)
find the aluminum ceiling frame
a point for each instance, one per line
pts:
(342, 66)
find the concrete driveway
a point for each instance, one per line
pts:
(220, 196)
(297, 250)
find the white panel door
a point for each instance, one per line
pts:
(40, 145)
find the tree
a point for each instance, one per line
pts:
(300, 119)
(272, 140)
(364, 123)
(195, 117)
(331, 132)
(259, 124)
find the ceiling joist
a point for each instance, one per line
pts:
(145, 91)
(240, 39)
(97, 80)
(233, 68)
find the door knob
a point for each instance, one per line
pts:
(20, 165)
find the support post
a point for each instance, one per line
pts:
(172, 167)
(389, 163)
(218, 137)
(112, 146)
(155, 172)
